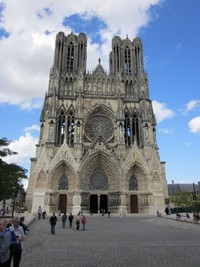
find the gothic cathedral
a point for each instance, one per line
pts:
(97, 149)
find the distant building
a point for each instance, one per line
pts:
(97, 149)
(176, 188)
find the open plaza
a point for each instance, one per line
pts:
(134, 240)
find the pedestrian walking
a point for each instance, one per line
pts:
(16, 254)
(5, 242)
(52, 221)
(78, 219)
(64, 219)
(39, 212)
(83, 221)
(70, 218)
(44, 214)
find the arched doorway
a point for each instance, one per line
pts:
(133, 204)
(104, 203)
(62, 203)
(94, 204)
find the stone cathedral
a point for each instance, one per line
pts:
(97, 149)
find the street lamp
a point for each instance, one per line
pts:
(194, 194)
(14, 199)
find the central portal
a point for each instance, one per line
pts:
(98, 203)
(103, 203)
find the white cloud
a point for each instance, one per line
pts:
(31, 128)
(27, 54)
(191, 105)
(194, 125)
(161, 111)
(165, 130)
(25, 147)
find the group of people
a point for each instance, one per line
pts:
(11, 241)
(41, 214)
(80, 219)
(70, 219)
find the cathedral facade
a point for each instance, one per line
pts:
(97, 149)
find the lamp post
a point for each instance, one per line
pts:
(14, 199)
(194, 194)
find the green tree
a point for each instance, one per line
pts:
(185, 199)
(11, 175)
(4, 150)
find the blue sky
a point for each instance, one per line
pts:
(169, 30)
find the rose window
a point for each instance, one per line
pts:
(98, 180)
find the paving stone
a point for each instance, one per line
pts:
(117, 241)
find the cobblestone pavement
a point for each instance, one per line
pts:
(117, 241)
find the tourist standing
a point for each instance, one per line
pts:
(39, 212)
(78, 219)
(52, 221)
(5, 242)
(83, 221)
(19, 234)
(70, 218)
(64, 219)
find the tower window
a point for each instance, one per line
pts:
(127, 61)
(70, 57)
(61, 128)
(131, 130)
(70, 128)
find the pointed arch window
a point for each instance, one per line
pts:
(133, 184)
(131, 130)
(70, 57)
(127, 61)
(61, 127)
(70, 128)
(63, 182)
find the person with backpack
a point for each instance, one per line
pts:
(64, 219)
(5, 242)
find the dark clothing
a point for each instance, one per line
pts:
(44, 214)
(70, 218)
(52, 221)
(25, 228)
(167, 211)
(5, 264)
(64, 218)
(78, 219)
(77, 225)
(16, 257)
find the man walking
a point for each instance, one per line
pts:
(52, 221)
(64, 219)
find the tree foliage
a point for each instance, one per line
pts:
(4, 150)
(11, 174)
(185, 199)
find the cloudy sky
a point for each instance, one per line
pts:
(169, 30)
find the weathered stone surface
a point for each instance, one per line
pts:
(97, 123)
